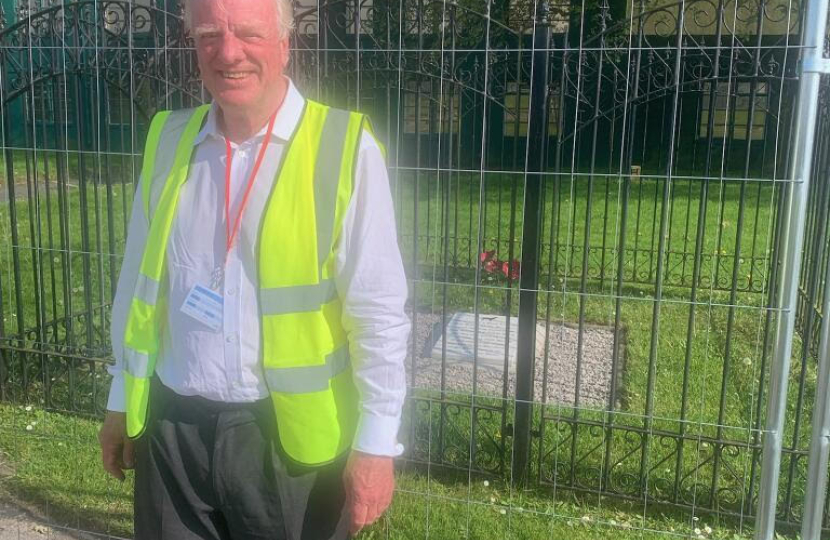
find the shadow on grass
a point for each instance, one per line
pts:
(58, 508)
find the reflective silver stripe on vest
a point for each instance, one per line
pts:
(166, 153)
(298, 299)
(146, 289)
(327, 178)
(301, 380)
(137, 363)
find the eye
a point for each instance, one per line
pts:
(250, 33)
(208, 35)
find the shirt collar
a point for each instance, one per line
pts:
(288, 116)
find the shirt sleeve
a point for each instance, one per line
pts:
(134, 250)
(372, 287)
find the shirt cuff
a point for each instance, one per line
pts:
(378, 435)
(117, 399)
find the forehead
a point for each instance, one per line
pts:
(237, 12)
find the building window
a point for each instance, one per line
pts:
(732, 109)
(426, 106)
(516, 106)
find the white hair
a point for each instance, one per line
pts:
(285, 15)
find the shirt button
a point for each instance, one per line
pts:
(231, 292)
(231, 338)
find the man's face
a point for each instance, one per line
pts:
(241, 54)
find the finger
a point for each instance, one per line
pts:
(386, 500)
(358, 518)
(112, 465)
(128, 455)
(373, 512)
(111, 458)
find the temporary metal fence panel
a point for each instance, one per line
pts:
(597, 205)
(814, 298)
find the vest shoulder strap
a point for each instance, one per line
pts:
(166, 129)
(365, 121)
(336, 158)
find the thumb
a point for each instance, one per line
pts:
(359, 514)
(129, 454)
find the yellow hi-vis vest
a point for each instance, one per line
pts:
(304, 348)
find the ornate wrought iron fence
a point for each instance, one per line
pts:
(632, 157)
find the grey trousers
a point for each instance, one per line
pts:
(215, 471)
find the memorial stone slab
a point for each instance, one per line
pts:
(493, 336)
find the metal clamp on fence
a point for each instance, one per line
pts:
(815, 64)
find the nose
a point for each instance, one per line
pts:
(230, 49)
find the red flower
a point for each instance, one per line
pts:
(487, 256)
(491, 266)
(511, 270)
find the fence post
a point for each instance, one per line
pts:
(812, 65)
(531, 235)
(820, 443)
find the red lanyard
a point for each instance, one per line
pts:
(230, 234)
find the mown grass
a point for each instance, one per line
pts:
(77, 275)
(70, 165)
(580, 210)
(659, 345)
(60, 255)
(691, 368)
(51, 462)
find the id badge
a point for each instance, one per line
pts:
(205, 306)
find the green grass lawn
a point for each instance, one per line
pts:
(76, 277)
(51, 461)
(62, 258)
(48, 164)
(580, 211)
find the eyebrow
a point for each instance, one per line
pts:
(203, 29)
(259, 29)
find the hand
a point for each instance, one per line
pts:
(117, 450)
(370, 482)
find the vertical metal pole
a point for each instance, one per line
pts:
(5, 357)
(531, 235)
(820, 443)
(792, 242)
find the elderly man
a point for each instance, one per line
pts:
(258, 326)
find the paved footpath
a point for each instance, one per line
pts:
(18, 524)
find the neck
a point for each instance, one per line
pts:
(240, 128)
(240, 125)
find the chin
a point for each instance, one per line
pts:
(235, 100)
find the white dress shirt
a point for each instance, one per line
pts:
(225, 365)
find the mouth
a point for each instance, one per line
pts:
(235, 75)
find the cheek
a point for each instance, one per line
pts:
(209, 52)
(203, 55)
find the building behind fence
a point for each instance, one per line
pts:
(633, 159)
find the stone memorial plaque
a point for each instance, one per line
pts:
(492, 336)
(555, 372)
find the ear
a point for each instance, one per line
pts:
(285, 51)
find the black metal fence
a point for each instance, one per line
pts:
(630, 158)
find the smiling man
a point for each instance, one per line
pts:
(258, 326)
